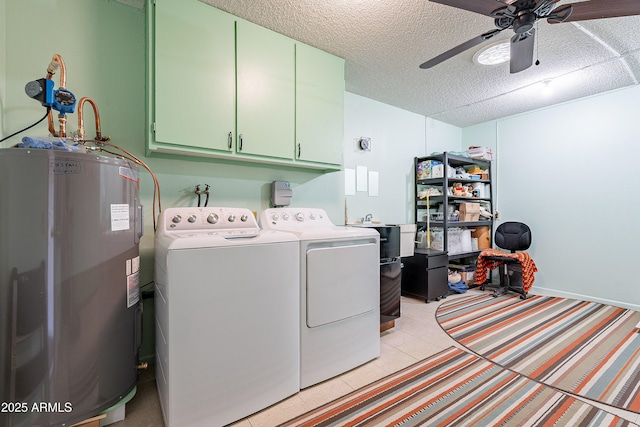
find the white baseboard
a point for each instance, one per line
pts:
(556, 293)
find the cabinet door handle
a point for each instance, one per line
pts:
(298, 150)
(230, 140)
(240, 142)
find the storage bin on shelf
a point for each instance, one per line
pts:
(458, 240)
(436, 239)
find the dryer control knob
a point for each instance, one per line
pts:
(285, 216)
(192, 218)
(231, 218)
(300, 216)
(212, 218)
(176, 219)
(312, 217)
(244, 218)
(275, 217)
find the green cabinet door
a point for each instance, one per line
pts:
(194, 69)
(319, 105)
(265, 92)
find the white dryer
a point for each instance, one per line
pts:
(227, 318)
(339, 291)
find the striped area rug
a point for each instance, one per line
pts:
(456, 388)
(586, 348)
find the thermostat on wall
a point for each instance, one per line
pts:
(281, 193)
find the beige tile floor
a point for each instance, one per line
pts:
(416, 335)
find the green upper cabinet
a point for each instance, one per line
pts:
(266, 91)
(220, 86)
(195, 75)
(319, 105)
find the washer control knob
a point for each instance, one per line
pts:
(275, 217)
(192, 218)
(312, 217)
(244, 218)
(212, 218)
(300, 216)
(176, 219)
(231, 218)
(285, 216)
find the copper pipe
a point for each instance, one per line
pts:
(58, 62)
(133, 158)
(81, 119)
(62, 119)
(52, 130)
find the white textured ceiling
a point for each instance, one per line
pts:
(384, 41)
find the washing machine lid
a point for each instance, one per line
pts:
(208, 240)
(336, 233)
(310, 224)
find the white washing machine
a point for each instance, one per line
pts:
(339, 291)
(227, 317)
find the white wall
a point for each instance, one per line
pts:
(442, 137)
(397, 137)
(569, 172)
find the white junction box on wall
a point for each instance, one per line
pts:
(281, 193)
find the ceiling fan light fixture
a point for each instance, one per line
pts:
(493, 54)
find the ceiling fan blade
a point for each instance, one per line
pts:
(460, 48)
(597, 9)
(522, 51)
(483, 7)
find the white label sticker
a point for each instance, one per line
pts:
(133, 289)
(119, 217)
(135, 264)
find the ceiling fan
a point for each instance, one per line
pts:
(521, 15)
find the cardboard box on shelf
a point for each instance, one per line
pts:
(467, 272)
(430, 169)
(469, 212)
(483, 236)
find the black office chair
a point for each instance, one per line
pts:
(514, 237)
